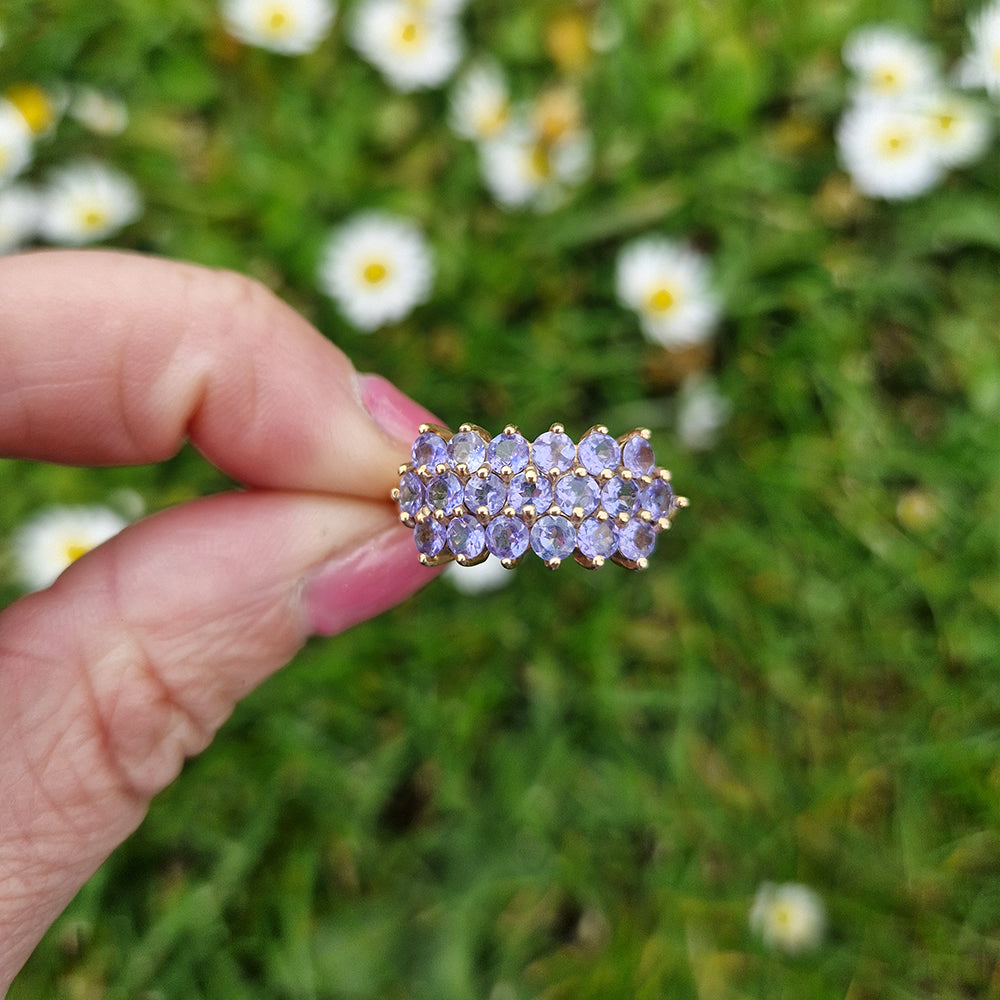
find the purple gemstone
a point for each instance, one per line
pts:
(577, 491)
(636, 539)
(620, 496)
(429, 537)
(657, 498)
(637, 455)
(553, 451)
(521, 492)
(597, 538)
(490, 493)
(507, 537)
(429, 449)
(444, 492)
(598, 452)
(467, 448)
(510, 450)
(466, 536)
(553, 537)
(411, 493)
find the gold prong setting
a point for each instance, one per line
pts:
(468, 494)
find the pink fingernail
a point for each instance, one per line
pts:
(362, 583)
(397, 414)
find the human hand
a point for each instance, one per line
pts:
(137, 654)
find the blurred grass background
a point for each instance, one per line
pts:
(572, 787)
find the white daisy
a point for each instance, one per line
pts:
(413, 46)
(701, 412)
(479, 106)
(669, 285)
(888, 151)
(521, 170)
(51, 540)
(19, 209)
(101, 113)
(16, 145)
(889, 63)
(981, 65)
(291, 27)
(86, 202)
(478, 579)
(377, 268)
(789, 917)
(958, 127)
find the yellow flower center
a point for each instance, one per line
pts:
(540, 163)
(410, 34)
(995, 56)
(661, 300)
(275, 20)
(375, 273)
(35, 105)
(73, 550)
(895, 143)
(782, 916)
(945, 122)
(886, 79)
(491, 120)
(92, 217)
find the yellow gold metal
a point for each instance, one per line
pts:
(627, 475)
(403, 469)
(557, 429)
(531, 475)
(553, 563)
(441, 468)
(395, 493)
(465, 427)
(663, 523)
(647, 516)
(606, 475)
(681, 502)
(440, 516)
(462, 469)
(580, 472)
(602, 516)
(578, 513)
(506, 472)
(424, 428)
(509, 512)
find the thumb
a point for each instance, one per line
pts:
(133, 659)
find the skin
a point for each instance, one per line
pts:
(136, 655)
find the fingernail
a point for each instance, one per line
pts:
(397, 414)
(359, 584)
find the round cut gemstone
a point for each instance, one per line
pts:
(490, 493)
(429, 449)
(553, 451)
(411, 493)
(620, 496)
(597, 538)
(598, 452)
(553, 537)
(637, 455)
(521, 493)
(429, 537)
(509, 450)
(466, 536)
(467, 448)
(577, 491)
(657, 498)
(507, 537)
(636, 540)
(444, 492)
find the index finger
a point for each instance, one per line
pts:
(113, 358)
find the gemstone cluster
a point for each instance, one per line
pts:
(469, 494)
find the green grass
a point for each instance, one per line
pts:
(571, 788)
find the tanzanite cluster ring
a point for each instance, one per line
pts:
(469, 494)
